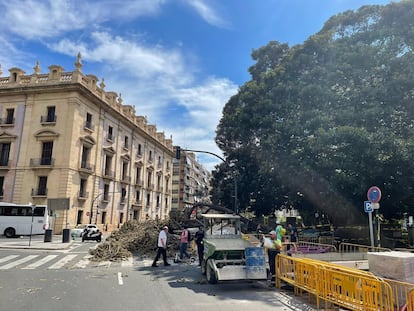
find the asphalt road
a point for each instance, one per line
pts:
(34, 285)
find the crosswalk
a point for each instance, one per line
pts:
(56, 262)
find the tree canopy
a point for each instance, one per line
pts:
(321, 122)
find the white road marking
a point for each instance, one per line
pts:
(62, 262)
(18, 262)
(120, 281)
(7, 258)
(40, 262)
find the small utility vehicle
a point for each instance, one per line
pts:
(227, 256)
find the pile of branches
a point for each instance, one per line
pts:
(134, 238)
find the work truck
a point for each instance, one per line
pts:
(227, 254)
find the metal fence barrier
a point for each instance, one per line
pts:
(350, 288)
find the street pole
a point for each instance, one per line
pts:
(31, 225)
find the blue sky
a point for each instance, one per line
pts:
(177, 61)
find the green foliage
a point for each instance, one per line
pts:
(321, 122)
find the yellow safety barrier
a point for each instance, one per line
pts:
(402, 292)
(410, 302)
(350, 288)
(299, 273)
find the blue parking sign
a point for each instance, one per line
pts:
(367, 207)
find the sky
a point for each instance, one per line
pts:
(177, 61)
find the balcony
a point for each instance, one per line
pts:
(7, 121)
(150, 186)
(106, 198)
(39, 192)
(125, 179)
(48, 119)
(139, 183)
(123, 200)
(137, 203)
(4, 164)
(89, 126)
(125, 146)
(83, 195)
(86, 167)
(42, 162)
(108, 174)
(110, 137)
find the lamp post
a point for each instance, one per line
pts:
(91, 211)
(31, 225)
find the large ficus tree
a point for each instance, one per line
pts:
(321, 122)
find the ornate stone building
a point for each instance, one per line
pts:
(63, 136)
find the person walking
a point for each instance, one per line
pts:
(162, 247)
(199, 236)
(184, 243)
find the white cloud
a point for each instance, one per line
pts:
(42, 19)
(208, 13)
(155, 79)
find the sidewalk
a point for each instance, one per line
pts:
(36, 242)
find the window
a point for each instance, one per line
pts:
(138, 196)
(108, 161)
(150, 156)
(139, 149)
(158, 201)
(85, 157)
(106, 192)
(124, 169)
(10, 116)
(42, 186)
(148, 199)
(159, 182)
(138, 177)
(51, 116)
(149, 180)
(110, 132)
(47, 149)
(88, 123)
(4, 154)
(82, 188)
(123, 195)
(126, 143)
(1, 186)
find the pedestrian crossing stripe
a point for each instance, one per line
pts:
(32, 262)
(62, 262)
(41, 262)
(18, 262)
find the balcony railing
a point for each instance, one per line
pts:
(137, 202)
(4, 163)
(106, 198)
(108, 174)
(110, 137)
(39, 192)
(83, 195)
(7, 121)
(125, 179)
(89, 125)
(48, 119)
(42, 162)
(85, 166)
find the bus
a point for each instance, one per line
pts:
(23, 219)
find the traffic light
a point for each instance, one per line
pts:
(178, 152)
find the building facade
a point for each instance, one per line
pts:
(63, 136)
(191, 182)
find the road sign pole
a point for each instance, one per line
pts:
(371, 229)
